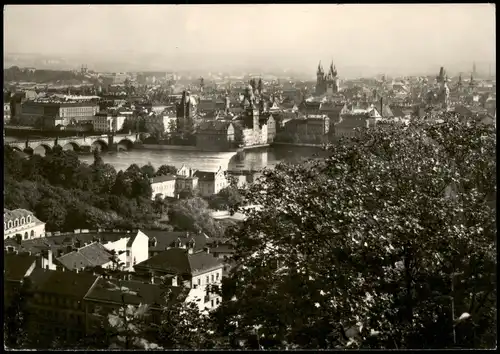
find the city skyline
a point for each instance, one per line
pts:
(391, 38)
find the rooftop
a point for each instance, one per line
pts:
(168, 239)
(60, 283)
(134, 292)
(165, 178)
(16, 265)
(179, 261)
(92, 255)
(205, 176)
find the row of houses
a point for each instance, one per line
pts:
(187, 180)
(64, 281)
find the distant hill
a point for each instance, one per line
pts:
(17, 74)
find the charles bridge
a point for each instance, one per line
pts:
(101, 142)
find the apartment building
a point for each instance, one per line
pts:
(48, 113)
(194, 270)
(163, 186)
(210, 183)
(108, 122)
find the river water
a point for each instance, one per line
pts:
(254, 159)
(208, 161)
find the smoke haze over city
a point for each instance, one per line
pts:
(360, 39)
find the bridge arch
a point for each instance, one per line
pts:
(99, 144)
(15, 147)
(42, 149)
(71, 146)
(127, 143)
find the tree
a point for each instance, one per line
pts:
(53, 212)
(148, 170)
(164, 170)
(104, 177)
(16, 317)
(194, 215)
(360, 249)
(98, 161)
(12, 164)
(228, 198)
(125, 327)
(182, 325)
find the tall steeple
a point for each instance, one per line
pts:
(471, 82)
(441, 77)
(333, 71)
(320, 68)
(474, 68)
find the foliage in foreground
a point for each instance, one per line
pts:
(68, 194)
(372, 247)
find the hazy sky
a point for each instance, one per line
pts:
(296, 35)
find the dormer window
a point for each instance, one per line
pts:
(23, 220)
(9, 224)
(28, 219)
(16, 223)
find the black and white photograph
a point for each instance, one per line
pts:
(249, 177)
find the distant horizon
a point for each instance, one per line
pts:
(362, 39)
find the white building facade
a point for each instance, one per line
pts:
(22, 222)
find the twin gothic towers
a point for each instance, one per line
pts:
(327, 83)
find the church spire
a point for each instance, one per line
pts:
(320, 68)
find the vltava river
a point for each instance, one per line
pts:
(207, 161)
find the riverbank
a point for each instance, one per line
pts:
(140, 146)
(165, 147)
(299, 144)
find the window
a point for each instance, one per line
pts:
(16, 223)
(217, 301)
(26, 235)
(199, 281)
(9, 224)
(217, 276)
(32, 233)
(212, 278)
(23, 220)
(212, 303)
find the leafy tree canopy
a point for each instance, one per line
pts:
(371, 246)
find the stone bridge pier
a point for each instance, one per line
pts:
(88, 143)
